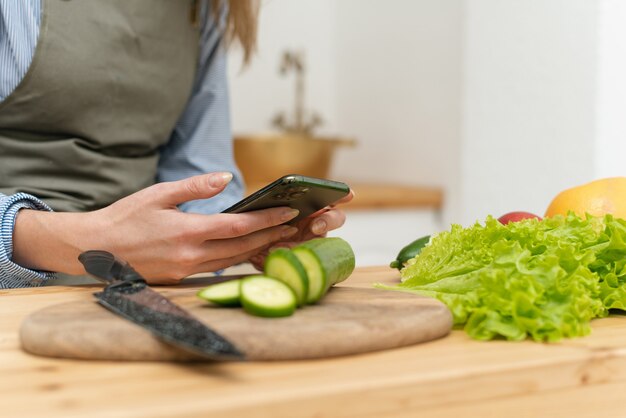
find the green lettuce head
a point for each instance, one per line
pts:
(544, 279)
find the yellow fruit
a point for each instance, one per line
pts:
(596, 198)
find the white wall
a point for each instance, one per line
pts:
(611, 88)
(529, 101)
(398, 72)
(258, 92)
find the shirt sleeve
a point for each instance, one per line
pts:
(202, 140)
(13, 275)
(19, 29)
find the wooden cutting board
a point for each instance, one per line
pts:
(347, 321)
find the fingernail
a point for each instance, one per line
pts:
(319, 227)
(289, 214)
(220, 179)
(288, 232)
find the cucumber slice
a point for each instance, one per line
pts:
(327, 261)
(283, 265)
(223, 294)
(268, 297)
(318, 281)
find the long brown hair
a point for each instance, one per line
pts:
(241, 24)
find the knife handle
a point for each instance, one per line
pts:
(107, 268)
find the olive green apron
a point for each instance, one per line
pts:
(108, 81)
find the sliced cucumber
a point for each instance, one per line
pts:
(266, 296)
(327, 261)
(283, 265)
(291, 279)
(224, 294)
(318, 281)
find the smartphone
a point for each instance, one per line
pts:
(307, 194)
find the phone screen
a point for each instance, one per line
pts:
(307, 194)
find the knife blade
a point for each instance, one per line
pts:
(129, 296)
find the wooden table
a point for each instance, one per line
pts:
(451, 377)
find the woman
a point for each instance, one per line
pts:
(99, 101)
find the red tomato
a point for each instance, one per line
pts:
(516, 216)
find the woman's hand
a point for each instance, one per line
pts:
(147, 230)
(314, 226)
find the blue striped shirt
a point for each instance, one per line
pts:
(201, 141)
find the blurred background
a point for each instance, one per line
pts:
(458, 108)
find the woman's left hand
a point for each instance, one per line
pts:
(314, 226)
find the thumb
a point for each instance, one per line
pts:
(192, 188)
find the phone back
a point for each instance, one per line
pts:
(307, 194)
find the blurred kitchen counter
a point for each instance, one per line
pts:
(394, 196)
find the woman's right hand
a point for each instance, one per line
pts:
(147, 230)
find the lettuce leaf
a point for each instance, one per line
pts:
(540, 279)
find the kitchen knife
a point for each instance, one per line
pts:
(129, 296)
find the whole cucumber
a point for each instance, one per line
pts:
(409, 252)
